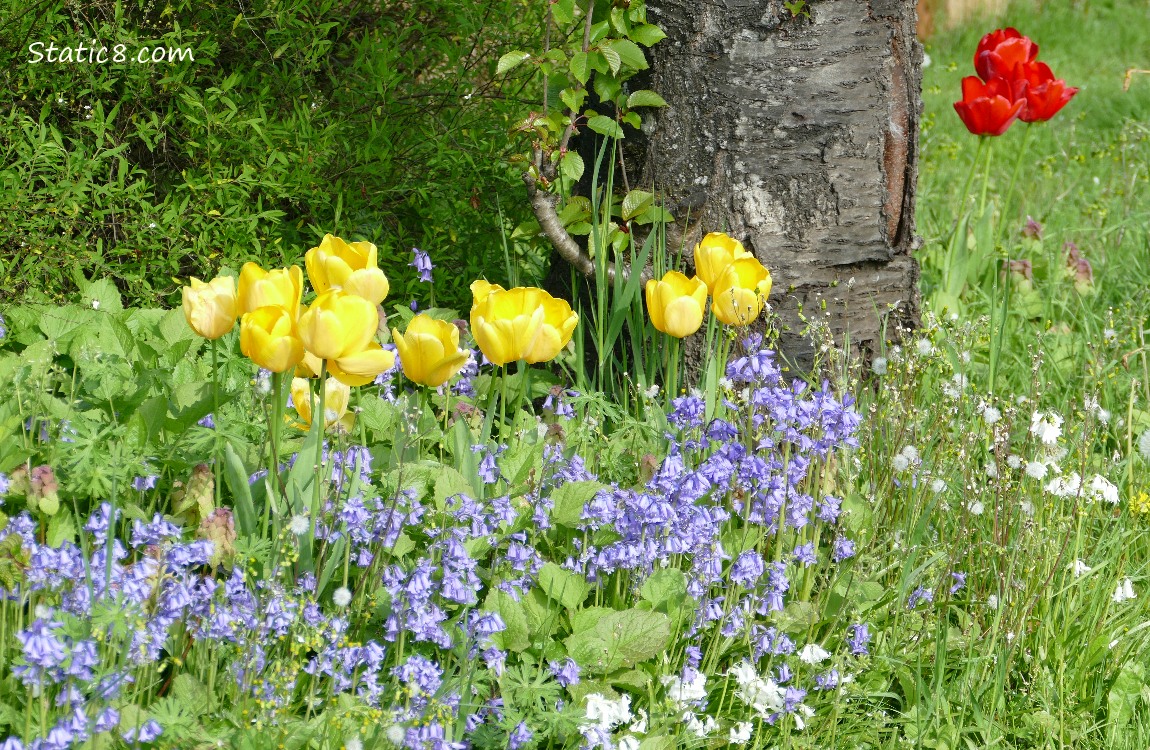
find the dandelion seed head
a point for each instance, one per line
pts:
(341, 597)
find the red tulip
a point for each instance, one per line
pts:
(1000, 51)
(990, 108)
(1045, 94)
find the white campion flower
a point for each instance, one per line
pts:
(813, 653)
(1124, 592)
(683, 692)
(607, 714)
(1046, 426)
(1079, 568)
(740, 733)
(1036, 470)
(1103, 489)
(1067, 486)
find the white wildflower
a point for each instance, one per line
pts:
(992, 601)
(992, 470)
(937, 486)
(1124, 592)
(763, 695)
(924, 347)
(1067, 486)
(726, 383)
(355, 743)
(878, 366)
(299, 525)
(975, 507)
(628, 742)
(700, 728)
(42, 612)
(1103, 489)
(1036, 470)
(1079, 568)
(813, 653)
(341, 597)
(801, 714)
(911, 454)
(1014, 461)
(955, 387)
(1109, 335)
(991, 415)
(608, 714)
(395, 734)
(639, 726)
(683, 692)
(1046, 426)
(1026, 507)
(652, 393)
(1144, 445)
(740, 733)
(900, 463)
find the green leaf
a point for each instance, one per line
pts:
(510, 60)
(190, 693)
(450, 483)
(516, 636)
(573, 98)
(236, 477)
(629, 53)
(645, 98)
(1124, 695)
(61, 528)
(636, 202)
(665, 589)
(633, 119)
(620, 639)
(101, 295)
(570, 499)
(563, 11)
(580, 67)
(614, 61)
(565, 587)
(647, 34)
(605, 126)
(571, 165)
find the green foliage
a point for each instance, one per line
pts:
(385, 122)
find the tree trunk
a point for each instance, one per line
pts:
(799, 136)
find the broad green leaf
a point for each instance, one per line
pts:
(101, 295)
(510, 60)
(636, 679)
(586, 619)
(236, 477)
(449, 483)
(573, 98)
(645, 98)
(565, 587)
(629, 53)
(605, 126)
(614, 62)
(570, 499)
(620, 639)
(61, 528)
(571, 165)
(563, 11)
(516, 636)
(636, 202)
(581, 67)
(1124, 695)
(647, 34)
(665, 589)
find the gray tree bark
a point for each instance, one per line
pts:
(798, 136)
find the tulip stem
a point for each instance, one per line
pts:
(986, 179)
(273, 460)
(503, 399)
(216, 468)
(1013, 178)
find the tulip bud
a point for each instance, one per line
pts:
(336, 398)
(741, 292)
(259, 288)
(268, 337)
(211, 309)
(675, 304)
(429, 351)
(347, 266)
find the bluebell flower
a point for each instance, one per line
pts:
(842, 549)
(566, 672)
(421, 261)
(145, 483)
(959, 582)
(208, 421)
(919, 595)
(149, 731)
(107, 720)
(828, 681)
(519, 737)
(805, 554)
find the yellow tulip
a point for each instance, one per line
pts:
(335, 402)
(506, 323)
(713, 254)
(338, 325)
(741, 291)
(429, 351)
(309, 367)
(676, 304)
(268, 337)
(362, 367)
(351, 267)
(558, 323)
(260, 288)
(480, 288)
(211, 308)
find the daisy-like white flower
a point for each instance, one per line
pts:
(299, 524)
(1036, 470)
(1046, 426)
(1124, 592)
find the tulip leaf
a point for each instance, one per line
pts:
(510, 61)
(645, 98)
(605, 126)
(236, 477)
